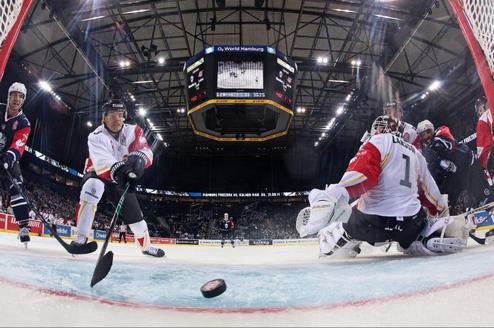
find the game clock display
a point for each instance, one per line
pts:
(240, 72)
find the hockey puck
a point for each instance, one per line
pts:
(213, 288)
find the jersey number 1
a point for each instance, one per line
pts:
(406, 182)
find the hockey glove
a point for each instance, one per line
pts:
(137, 161)
(121, 172)
(7, 160)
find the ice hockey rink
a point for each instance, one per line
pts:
(267, 286)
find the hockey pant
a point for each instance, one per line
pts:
(375, 228)
(91, 194)
(17, 202)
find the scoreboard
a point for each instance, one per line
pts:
(249, 76)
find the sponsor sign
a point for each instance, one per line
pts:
(99, 234)
(160, 240)
(217, 242)
(308, 241)
(187, 242)
(209, 242)
(35, 226)
(256, 242)
(128, 237)
(483, 220)
(3, 221)
(62, 230)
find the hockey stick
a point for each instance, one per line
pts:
(105, 261)
(79, 249)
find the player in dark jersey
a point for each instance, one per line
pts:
(14, 131)
(227, 227)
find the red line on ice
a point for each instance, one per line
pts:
(249, 309)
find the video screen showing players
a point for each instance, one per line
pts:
(240, 75)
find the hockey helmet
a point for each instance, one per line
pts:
(481, 106)
(424, 126)
(18, 87)
(114, 105)
(385, 124)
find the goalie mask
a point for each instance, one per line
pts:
(385, 124)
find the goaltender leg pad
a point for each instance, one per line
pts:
(311, 219)
(334, 241)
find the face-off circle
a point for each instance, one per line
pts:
(213, 288)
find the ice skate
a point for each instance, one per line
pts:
(24, 236)
(153, 251)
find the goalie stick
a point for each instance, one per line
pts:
(105, 261)
(79, 249)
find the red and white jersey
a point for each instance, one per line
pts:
(105, 150)
(484, 138)
(389, 174)
(410, 135)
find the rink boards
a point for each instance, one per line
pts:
(9, 224)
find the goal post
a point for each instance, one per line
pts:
(12, 15)
(476, 20)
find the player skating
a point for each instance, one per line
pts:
(14, 132)
(118, 153)
(388, 176)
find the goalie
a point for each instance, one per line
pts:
(391, 179)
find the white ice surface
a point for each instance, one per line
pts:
(460, 293)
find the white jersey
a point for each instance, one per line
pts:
(388, 174)
(105, 150)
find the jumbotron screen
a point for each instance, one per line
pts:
(240, 75)
(240, 72)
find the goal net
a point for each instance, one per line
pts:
(12, 14)
(476, 20)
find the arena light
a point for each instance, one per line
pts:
(45, 86)
(161, 60)
(136, 11)
(316, 143)
(388, 17)
(340, 110)
(348, 97)
(89, 124)
(142, 82)
(92, 18)
(160, 137)
(142, 111)
(322, 60)
(434, 85)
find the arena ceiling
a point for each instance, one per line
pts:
(402, 46)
